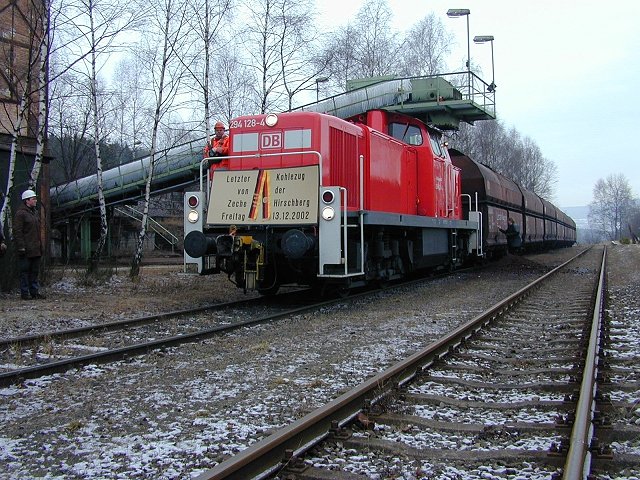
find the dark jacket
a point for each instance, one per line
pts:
(26, 231)
(514, 240)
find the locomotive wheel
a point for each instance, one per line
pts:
(333, 290)
(272, 290)
(270, 285)
(343, 292)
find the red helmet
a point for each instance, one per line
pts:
(219, 125)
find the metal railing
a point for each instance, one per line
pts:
(131, 212)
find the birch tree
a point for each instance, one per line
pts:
(133, 101)
(339, 57)
(100, 23)
(262, 47)
(377, 47)
(234, 84)
(207, 19)
(163, 42)
(43, 58)
(426, 47)
(368, 46)
(69, 130)
(297, 37)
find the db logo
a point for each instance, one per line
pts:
(271, 140)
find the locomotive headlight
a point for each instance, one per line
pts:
(271, 120)
(328, 213)
(193, 216)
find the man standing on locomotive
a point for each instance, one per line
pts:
(218, 146)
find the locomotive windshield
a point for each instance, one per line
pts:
(407, 133)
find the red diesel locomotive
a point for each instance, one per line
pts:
(307, 198)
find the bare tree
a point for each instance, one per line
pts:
(378, 47)
(538, 174)
(368, 46)
(612, 206)
(69, 124)
(98, 24)
(164, 41)
(517, 158)
(426, 47)
(633, 221)
(132, 103)
(481, 141)
(262, 35)
(339, 58)
(296, 38)
(43, 60)
(207, 20)
(234, 87)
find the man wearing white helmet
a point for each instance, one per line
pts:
(26, 232)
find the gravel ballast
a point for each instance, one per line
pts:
(175, 413)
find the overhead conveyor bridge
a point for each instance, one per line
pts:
(174, 169)
(440, 100)
(74, 205)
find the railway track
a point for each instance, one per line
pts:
(509, 393)
(34, 356)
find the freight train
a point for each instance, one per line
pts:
(306, 198)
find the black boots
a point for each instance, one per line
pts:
(33, 296)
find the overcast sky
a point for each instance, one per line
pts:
(568, 77)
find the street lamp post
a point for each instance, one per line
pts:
(485, 39)
(464, 12)
(320, 80)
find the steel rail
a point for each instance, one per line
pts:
(266, 457)
(578, 462)
(129, 322)
(16, 376)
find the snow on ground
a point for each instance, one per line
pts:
(175, 413)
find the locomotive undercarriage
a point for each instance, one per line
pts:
(265, 259)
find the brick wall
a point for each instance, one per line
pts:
(21, 29)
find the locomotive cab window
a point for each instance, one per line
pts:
(410, 134)
(436, 144)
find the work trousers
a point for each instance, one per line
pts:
(29, 269)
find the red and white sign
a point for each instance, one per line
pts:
(270, 140)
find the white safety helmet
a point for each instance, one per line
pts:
(27, 194)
